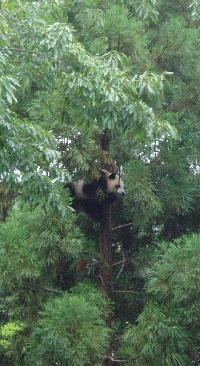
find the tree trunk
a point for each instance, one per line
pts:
(105, 251)
(106, 269)
(105, 246)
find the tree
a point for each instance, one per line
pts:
(68, 110)
(71, 330)
(166, 330)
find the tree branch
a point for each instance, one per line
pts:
(123, 263)
(132, 359)
(118, 263)
(122, 226)
(5, 50)
(114, 360)
(23, 50)
(126, 292)
(50, 289)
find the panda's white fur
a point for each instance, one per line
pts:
(114, 183)
(90, 197)
(109, 183)
(79, 188)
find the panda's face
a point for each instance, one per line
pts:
(115, 185)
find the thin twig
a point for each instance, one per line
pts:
(16, 20)
(114, 360)
(123, 263)
(122, 226)
(5, 50)
(126, 292)
(50, 289)
(132, 359)
(118, 263)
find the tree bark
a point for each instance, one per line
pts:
(106, 269)
(105, 248)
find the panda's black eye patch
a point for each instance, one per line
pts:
(117, 186)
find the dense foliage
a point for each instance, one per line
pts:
(86, 85)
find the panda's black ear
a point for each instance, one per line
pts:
(112, 176)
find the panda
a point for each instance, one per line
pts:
(90, 197)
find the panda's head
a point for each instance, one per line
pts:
(114, 184)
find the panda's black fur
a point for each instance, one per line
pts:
(90, 197)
